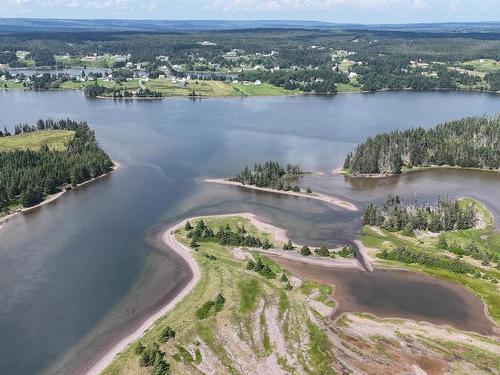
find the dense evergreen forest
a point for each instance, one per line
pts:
(270, 175)
(27, 177)
(445, 215)
(472, 142)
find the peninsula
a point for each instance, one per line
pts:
(274, 178)
(38, 163)
(243, 312)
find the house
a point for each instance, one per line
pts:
(353, 75)
(257, 82)
(162, 76)
(120, 58)
(207, 43)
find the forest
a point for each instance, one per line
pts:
(292, 59)
(445, 215)
(271, 174)
(472, 142)
(27, 176)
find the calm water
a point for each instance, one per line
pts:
(397, 293)
(88, 266)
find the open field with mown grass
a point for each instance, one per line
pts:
(199, 87)
(480, 283)
(264, 89)
(54, 139)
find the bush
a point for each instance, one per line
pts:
(322, 252)
(305, 251)
(167, 334)
(288, 245)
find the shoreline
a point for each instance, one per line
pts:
(345, 173)
(320, 197)
(168, 239)
(53, 197)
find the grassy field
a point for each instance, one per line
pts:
(131, 85)
(347, 87)
(485, 239)
(199, 87)
(261, 324)
(264, 89)
(54, 139)
(484, 66)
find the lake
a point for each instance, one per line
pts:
(77, 274)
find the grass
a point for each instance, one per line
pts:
(484, 66)
(249, 291)
(242, 289)
(202, 88)
(320, 350)
(264, 89)
(483, 288)
(347, 87)
(54, 139)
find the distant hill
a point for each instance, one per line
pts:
(20, 25)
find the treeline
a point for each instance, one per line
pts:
(405, 255)
(224, 236)
(93, 91)
(308, 80)
(48, 124)
(493, 80)
(469, 142)
(27, 177)
(445, 215)
(271, 174)
(470, 249)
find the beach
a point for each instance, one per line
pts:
(53, 197)
(168, 239)
(321, 197)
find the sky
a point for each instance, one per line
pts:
(339, 11)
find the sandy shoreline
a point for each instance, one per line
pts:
(344, 172)
(321, 197)
(53, 197)
(168, 239)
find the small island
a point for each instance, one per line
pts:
(40, 162)
(275, 178)
(472, 143)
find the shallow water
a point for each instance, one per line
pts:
(397, 293)
(78, 273)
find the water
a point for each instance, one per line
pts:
(396, 293)
(87, 268)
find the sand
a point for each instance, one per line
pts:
(169, 240)
(53, 197)
(318, 196)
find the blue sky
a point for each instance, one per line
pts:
(346, 11)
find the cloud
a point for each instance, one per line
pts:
(129, 5)
(280, 5)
